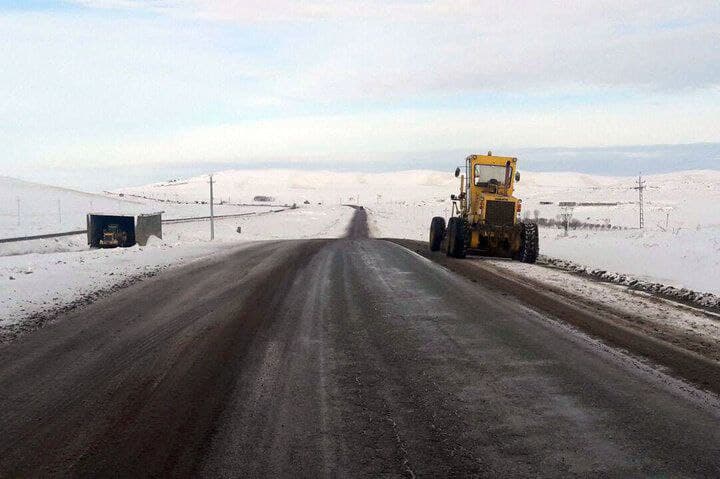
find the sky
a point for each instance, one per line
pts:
(152, 87)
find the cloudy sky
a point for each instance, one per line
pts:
(98, 83)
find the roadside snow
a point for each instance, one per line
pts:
(679, 247)
(34, 283)
(620, 298)
(684, 259)
(38, 283)
(32, 209)
(28, 209)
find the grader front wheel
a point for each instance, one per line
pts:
(437, 231)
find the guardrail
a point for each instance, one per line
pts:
(45, 236)
(165, 221)
(236, 215)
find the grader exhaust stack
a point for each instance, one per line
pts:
(485, 215)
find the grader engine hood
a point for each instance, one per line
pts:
(496, 210)
(499, 212)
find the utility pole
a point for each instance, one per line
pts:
(18, 210)
(212, 211)
(640, 187)
(59, 213)
(566, 213)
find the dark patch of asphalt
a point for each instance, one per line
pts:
(323, 358)
(358, 227)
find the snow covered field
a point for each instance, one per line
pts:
(40, 277)
(28, 209)
(680, 245)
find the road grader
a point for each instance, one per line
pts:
(485, 217)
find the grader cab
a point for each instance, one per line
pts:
(485, 215)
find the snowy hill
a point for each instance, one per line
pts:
(679, 246)
(31, 208)
(28, 209)
(296, 186)
(685, 253)
(679, 199)
(672, 200)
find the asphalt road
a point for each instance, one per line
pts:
(335, 358)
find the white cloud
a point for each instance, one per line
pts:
(516, 12)
(99, 86)
(349, 137)
(514, 55)
(105, 75)
(397, 48)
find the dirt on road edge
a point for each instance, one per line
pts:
(694, 361)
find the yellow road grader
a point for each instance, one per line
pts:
(485, 216)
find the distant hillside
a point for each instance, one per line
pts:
(683, 195)
(613, 161)
(49, 209)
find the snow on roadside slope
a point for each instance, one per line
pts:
(36, 285)
(683, 259)
(32, 209)
(399, 205)
(667, 315)
(679, 247)
(686, 253)
(28, 209)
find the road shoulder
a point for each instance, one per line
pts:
(677, 339)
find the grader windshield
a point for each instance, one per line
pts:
(484, 175)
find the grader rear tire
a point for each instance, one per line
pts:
(437, 231)
(530, 244)
(456, 238)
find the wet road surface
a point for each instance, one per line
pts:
(326, 358)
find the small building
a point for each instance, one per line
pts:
(130, 231)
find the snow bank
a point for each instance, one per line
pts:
(36, 285)
(679, 247)
(32, 209)
(28, 209)
(621, 299)
(683, 259)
